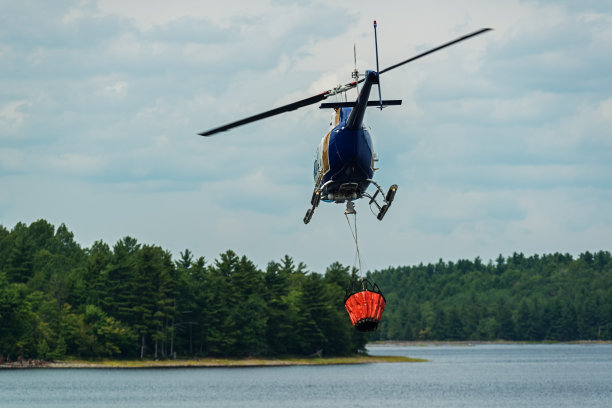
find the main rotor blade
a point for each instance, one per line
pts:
(465, 37)
(276, 111)
(324, 95)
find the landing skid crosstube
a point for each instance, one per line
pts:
(346, 192)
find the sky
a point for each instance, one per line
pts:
(503, 143)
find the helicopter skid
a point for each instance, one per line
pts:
(387, 199)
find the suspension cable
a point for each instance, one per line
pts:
(355, 238)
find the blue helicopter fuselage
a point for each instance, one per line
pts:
(344, 157)
(344, 162)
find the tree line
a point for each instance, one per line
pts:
(134, 301)
(549, 297)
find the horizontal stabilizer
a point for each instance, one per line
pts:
(328, 105)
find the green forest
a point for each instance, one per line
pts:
(134, 300)
(537, 298)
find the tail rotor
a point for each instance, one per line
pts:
(377, 68)
(355, 74)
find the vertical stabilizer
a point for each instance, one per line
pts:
(355, 119)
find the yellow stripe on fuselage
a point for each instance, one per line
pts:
(325, 153)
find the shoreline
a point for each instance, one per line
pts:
(469, 343)
(211, 363)
(250, 362)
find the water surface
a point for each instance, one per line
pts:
(457, 376)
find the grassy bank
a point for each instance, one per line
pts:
(219, 362)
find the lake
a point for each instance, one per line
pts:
(497, 375)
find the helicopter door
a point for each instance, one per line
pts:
(317, 166)
(321, 164)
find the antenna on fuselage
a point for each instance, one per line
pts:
(377, 69)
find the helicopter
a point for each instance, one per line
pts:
(345, 158)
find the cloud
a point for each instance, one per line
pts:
(117, 88)
(502, 143)
(12, 115)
